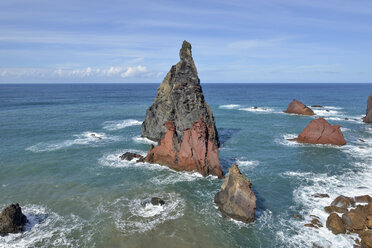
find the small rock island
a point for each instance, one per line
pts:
(319, 131)
(297, 107)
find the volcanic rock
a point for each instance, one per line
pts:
(368, 117)
(12, 220)
(363, 199)
(355, 218)
(315, 222)
(335, 224)
(366, 239)
(236, 199)
(130, 156)
(320, 195)
(297, 107)
(182, 122)
(343, 202)
(319, 131)
(156, 201)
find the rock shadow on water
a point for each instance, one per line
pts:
(35, 219)
(226, 163)
(226, 133)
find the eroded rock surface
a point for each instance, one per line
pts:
(319, 131)
(355, 218)
(297, 107)
(236, 199)
(182, 122)
(12, 220)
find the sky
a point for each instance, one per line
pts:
(233, 41)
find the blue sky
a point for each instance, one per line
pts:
(233, 41)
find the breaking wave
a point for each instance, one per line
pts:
(85, 138)
(116, 125)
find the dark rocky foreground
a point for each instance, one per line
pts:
(319, 131)
(12, 220)
(182, 122)
(236, 199)
(297, 107)
(347, 217)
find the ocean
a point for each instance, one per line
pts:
(76, 192)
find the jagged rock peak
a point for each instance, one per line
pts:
(179, 99)
(182, 122)
(185, 52)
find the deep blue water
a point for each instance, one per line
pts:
(77, 193)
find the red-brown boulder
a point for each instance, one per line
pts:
(195, 153)
(335, 224)
(297, 107)
(319, 131)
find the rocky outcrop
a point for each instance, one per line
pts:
(319, 131)
(335, 224)
(12, 220)
(368, 117)
(182, 122)
(354, 218)
(236, 199)
(130, 156)
(297, 107)
(156, 201)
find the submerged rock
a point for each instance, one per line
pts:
(320, 195)
(236, 199)
(317, 106)
(368, 117)
(12, 220)
(319, 131)
(156, 201)
(297, 107)
(182, 122)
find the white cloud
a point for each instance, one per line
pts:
(139, 71)
(135, 71)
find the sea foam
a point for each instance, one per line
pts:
(229, 106)
(116, 125)
(131, 216)
(352, 182)
(144, 140)
(85, 138)
(47, 228)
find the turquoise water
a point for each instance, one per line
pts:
(77, 193)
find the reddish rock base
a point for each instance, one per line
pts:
(319, 131)
(196, 152)
(296, 107)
